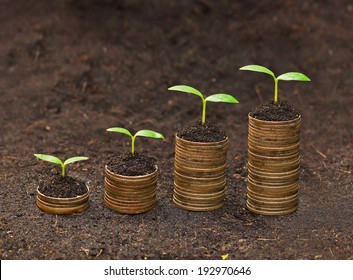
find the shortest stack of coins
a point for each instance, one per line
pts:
(273, 166)
(199, 174)
(130, 194)
(62, 206)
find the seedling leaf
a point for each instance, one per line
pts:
(149, 133)
(218, 97)
(144, 133)
(221, 97)
(74, 159)
(187, 89)
(120, 130)
(293, 76)
(58, 161)
(49, 158)
(290, 76)
(258, 68)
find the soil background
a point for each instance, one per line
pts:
(71, 69)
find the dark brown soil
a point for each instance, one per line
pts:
(199, 132)
(66, 187)
(71, 69)
(275, 111)
(132, 165)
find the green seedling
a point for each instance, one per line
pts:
(144, 133)
(290, 76)
(218, 97)
(58, 161)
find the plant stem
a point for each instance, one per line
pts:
(275, 99)
(62, 170)
(203, 111)
(133, 145)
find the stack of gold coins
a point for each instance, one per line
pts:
(273, 166)
(199, 174)
(130, 194)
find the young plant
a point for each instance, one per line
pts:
(218, 97)
(144, 133)
(290, 76)
(58, 161)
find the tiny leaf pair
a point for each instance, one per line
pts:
(218, 97)
(58, 161)
(144, 133)
(290, 76)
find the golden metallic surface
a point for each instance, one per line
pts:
(199, 174)
(130, 194)
(273, 166)
(62, 206)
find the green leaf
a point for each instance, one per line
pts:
(221, 97)
(149, 133)
(187, 89)
(293, 76)
(49, 158)
(120, 130)
(258, 68)
(74, 159)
